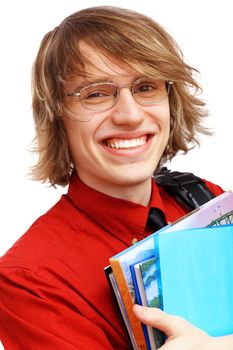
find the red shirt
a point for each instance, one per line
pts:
(53, 291)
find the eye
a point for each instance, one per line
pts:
(94, 92)
(145, 87)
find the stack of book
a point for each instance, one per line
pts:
(186, 269)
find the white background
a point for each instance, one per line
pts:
(204, 31)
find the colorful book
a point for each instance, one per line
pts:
(147, 283)
(215, 212)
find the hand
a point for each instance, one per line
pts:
(181, 335)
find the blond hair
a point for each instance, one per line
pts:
(131, 38)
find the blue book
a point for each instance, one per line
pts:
(197, 276)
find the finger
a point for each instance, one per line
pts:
(169, 324)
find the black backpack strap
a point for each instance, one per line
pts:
(189, 189)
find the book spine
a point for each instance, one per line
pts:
(128, 302)
(138, 300)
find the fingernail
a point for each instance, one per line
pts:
(139, 308)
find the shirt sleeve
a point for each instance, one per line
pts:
(35, 315)
(217, 190)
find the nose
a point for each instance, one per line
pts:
(126, 110)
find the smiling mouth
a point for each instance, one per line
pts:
(126, 144)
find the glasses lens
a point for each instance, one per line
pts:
(102, 96)
(149, 91)
(98, 97)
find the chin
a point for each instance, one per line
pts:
(133, 178)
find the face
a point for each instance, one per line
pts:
(119, 148)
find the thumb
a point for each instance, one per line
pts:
(169, 324)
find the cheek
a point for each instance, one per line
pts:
(165, 116)
(80, 138)
(74, 136)
(161, 114)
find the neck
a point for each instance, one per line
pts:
(139, 193)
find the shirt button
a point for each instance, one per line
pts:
(134, 240)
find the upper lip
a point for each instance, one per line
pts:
(127, 135)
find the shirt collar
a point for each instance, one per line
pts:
(121, 218)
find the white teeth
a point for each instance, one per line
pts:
(127, 143)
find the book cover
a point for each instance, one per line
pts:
(197, 278)
(211, 213)
(218, 211)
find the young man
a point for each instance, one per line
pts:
(111, 104)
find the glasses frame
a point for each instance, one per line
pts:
(118, 88)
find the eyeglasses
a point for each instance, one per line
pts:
(103, 96)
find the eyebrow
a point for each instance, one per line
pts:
(94, 81)
(79, 85)
(107, 79)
